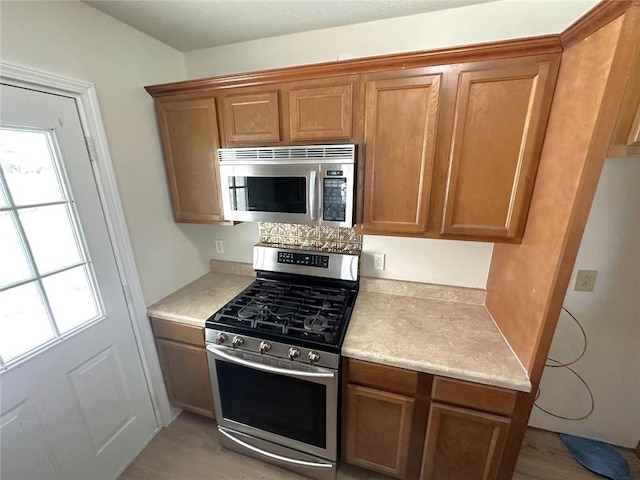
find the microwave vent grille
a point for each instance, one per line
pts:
(315, 152)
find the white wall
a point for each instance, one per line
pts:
(610, 316)
(458, 26)
(75, 40)
(238, 242)
(434, 261)
(444, 262)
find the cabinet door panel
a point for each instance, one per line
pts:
(251, 117)
(499, 124)
(322, 112)
(462, 444)
(186, 375)
(189, 133)
(400, 130)
(377, 430)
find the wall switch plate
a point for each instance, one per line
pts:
(219, 246)
(378, 261)
(586, 280)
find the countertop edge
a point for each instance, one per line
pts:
(423, 367)
(196, 322)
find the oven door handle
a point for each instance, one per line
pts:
(274, 456)
(267, 368)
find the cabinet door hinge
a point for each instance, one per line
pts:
(91, 148)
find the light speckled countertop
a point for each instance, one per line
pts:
(444, 338)
(200, 299)
(428, 328)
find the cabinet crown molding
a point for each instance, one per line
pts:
(547, 44)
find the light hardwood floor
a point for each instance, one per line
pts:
(189, 450)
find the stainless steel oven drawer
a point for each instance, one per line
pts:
(288, 458)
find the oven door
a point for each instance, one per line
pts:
(272, 399)
(280, 192)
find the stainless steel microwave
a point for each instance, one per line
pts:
(303, 184)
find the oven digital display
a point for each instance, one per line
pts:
(306, 259)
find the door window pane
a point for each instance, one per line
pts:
(13, 262)
(28, 167)
(24, 324)
(51, 237)
(39, 228)
(71, 298)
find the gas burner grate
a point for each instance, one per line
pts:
(289, 310)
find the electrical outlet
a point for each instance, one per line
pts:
(219, 246)
(586, 280)
(378, 261)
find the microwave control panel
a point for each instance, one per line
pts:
(306, 259)
(334, 198)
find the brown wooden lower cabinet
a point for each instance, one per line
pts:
(186, 375)
(377, 429)
(183, 359)
(414, 425)
(462, 444)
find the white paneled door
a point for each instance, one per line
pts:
(74, 403)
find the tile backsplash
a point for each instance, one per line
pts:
(323, 238)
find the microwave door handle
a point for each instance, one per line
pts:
(313, 195)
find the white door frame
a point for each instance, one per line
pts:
(86, 99)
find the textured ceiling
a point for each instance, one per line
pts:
(193, 24)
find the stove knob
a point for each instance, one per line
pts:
(221, 338)
(237, 341)
(313, 357)
(294, 353)
(264, 347)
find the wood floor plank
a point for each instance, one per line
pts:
(189, 449)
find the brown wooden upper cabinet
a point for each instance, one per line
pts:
(322, 110)
(251, 117)
(500, 119)
(400, 122)
(189, 134)
(445, 150)
(308, 111)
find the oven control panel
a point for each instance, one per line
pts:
(306, 259)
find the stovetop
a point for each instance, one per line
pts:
(289, 308)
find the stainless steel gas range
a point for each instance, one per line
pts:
(274, 356)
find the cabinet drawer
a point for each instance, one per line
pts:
(381, 376)
(481, 397)
(178, 332)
